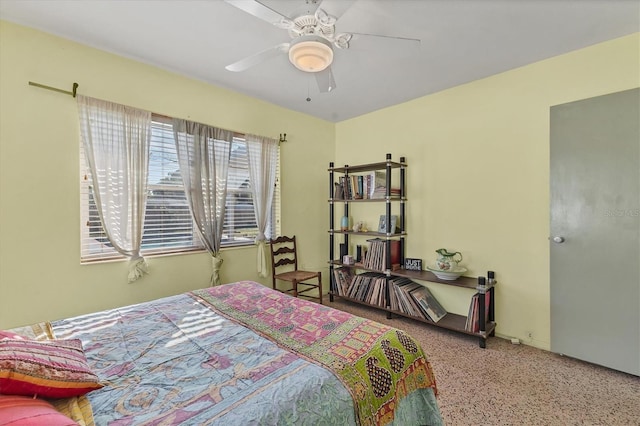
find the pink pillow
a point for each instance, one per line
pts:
(47, 368)
(25, 411)
(6, 334)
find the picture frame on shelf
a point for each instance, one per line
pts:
(382, 224)
(338, 194)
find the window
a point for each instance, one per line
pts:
(168, 226)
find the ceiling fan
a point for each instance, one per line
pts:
(313, 37)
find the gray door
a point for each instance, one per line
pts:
(595, 230)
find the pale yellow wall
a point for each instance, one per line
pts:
(478, 175)
(40, 274)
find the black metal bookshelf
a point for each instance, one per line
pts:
(455, 322)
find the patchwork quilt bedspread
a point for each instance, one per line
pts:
(243, 354)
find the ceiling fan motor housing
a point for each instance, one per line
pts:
(309, 24)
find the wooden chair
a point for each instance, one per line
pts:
(284, 254)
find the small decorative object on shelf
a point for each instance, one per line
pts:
(360, 226)
(382, 224)
(447, 260)
(344, 223)
(411, 264)
(448, 275)
(446, 266)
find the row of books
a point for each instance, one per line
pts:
(363, 187)
(472, 324)
(414, 299)
(368, 287)
(375, 257)
(405, 295)
(381, 192)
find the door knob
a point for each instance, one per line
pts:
(558, 239)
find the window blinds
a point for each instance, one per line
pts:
(168, 226)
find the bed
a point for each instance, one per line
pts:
(243, 354)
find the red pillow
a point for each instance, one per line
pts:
(47, 368)
(24, 411)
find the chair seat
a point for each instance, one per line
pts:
(296, 275)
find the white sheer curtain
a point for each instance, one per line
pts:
(263, 155)
(116, 142)
(203, 155)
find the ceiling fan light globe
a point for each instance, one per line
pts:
(311, 53)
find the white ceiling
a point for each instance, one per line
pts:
(460, 41)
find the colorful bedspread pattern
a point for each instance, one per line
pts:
(176, 361)
(189, 360)
(379, 365)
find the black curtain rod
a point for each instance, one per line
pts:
(55, 89)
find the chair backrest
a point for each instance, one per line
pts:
(283, 252)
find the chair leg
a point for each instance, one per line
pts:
(320, 286)
(295, 288)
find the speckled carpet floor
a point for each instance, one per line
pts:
(508, 384)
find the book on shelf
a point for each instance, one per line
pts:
(414, 306)
(401, 298)
(379, 179)
(338, 193)
(375, 256)
(378, 295)
(343, 278)
(471, 315)
(379, 189)
(355, 187)
(429, 304)
(473, 318)
(381, 193)
(348, 188)
(403, 304)
(393, 298)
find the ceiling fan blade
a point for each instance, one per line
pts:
(250, 61)
(325, 80)
(336, 8)
(259, 10)
(377, 42)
